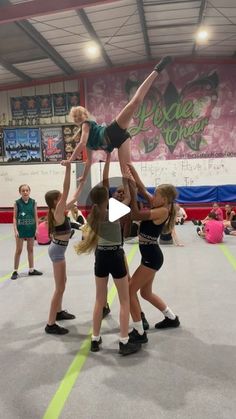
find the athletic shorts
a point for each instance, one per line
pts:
(110, 262)
(115, 135)
(152, 256)
(57, 250)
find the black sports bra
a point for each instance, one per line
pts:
(62, 229)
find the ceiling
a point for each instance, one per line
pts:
(42, 39)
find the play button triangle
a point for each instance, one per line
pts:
(116, 210)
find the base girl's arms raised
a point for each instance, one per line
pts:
(158, 215)
(61, 205)
(141, 188)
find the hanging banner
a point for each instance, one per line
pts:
(73, 99)
(52, 144)
(60, 104)
(70, 144)
(1, 144)
(44, 106)
(17, 107)
(31, 106)
(22, 144)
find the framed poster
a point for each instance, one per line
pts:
(22, 145)
(70, 144)
(52, 144)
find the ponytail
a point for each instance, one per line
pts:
(91, 231)
(51, 221)
(170, 223)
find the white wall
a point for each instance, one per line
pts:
(194, 172)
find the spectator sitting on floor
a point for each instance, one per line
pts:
(230, 220)
(76, 217)
(213, 230)
(216, 210)
(181, 215)
(42, 232)
(170, 238)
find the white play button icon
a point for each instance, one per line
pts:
(116, 210)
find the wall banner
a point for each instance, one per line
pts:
(189, 112)
(52, 144)
(22, 144)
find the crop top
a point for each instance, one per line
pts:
(150, 231)
(62, 229)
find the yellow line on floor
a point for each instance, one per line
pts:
(6, 236)
(229, 256)
(58, 401)
(22, 266)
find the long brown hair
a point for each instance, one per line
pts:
(98, 195)
(50, 198)
(170, 192)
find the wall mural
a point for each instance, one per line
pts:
(190, 112)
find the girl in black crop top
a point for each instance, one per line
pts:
(59, 229)
(161, 217)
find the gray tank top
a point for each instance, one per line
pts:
(110, 234)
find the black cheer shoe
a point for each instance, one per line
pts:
(55, 329)
(135, 337)
(64, 315)
(163, 63)
(129, 348)
(167, 323)
(95, 345)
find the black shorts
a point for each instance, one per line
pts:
(152, 256)
(115, 135)
(110, 262)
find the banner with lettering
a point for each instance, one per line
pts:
(22, 144)
(60, 107)
(69, 143)
(73, 99)
(17, 107)
(52, 144)
(189, 112)
(45, 106)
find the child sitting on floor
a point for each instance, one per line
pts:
(213, 229)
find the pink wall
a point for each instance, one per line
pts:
(190, 112)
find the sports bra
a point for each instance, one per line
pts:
(62, 229)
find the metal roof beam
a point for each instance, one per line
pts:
(159, 44)
(144, 28)
(22, 11)
(89, 27)
(200, 19)
(45, 46)
(14, 70)
(166, 2)
(170, 26)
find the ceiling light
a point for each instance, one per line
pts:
(202, 35)
(92, 50)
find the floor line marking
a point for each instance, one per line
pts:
(229, 256)
(59, 399)
(22, 266)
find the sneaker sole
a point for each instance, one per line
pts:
(167, 327)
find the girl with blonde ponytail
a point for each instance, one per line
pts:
(105, 238)
(160, 218)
